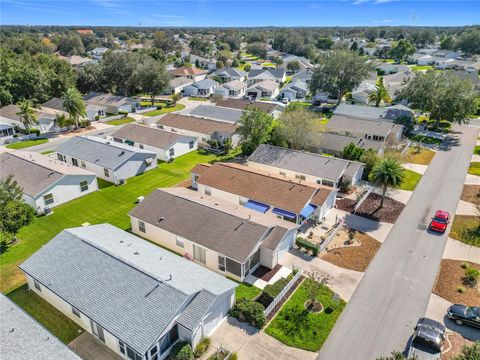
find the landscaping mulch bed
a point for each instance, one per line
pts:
(471, 194)
(370, 208)
(454, 344)
(285, 298)
(266, 274)
(449, 278)
(355, 257)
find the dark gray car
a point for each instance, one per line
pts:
(427, 340)
(468, 315)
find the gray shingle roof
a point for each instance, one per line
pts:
(217, 113)
(100, 152)
(54, 103)
(231, 71)
(351, 124)
(196, 309)
(205, 84)
(337, 142)
(371, 112)
(21, 336)
(277, 73)
(121, 281)
(232, 236)
(325, 167)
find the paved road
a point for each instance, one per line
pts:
(396, 288)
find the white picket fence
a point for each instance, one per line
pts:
(146, 110)
(364, 197)
(282, 293)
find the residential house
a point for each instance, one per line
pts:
(45, 118)
(390, 113)
(204, 88)
(204, 63)
(98, 52)
(133, 296)
(303, 75)
(46, 182)
(217, 113)
(470, 76)
(203, 129)
(178, 84)
(271, 108)
(7, 132)
(234, 88)
(218, 236)
(190, 72)
(109, 160)
(394, 83)
(302, 61)
(295, 90)
(94, 112)
(309, 167)
(166, 144)
(258, 75)
(290, 200)
(77, 62)
(334, 144)
(228, 74)
(389, 68)
(267, 89)
(114, 104)
(21, 336)
(361, 93)
(379, 130)
(426, 54)
(85, 31)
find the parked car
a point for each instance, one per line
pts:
(440, 221)
(285, 100)
(468, 315)
(427, 340)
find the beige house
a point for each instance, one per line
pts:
(264, 89)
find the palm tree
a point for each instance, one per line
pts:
(380, 94)
(387, 173)
(26, 114)
(175, 97)
(74, 105)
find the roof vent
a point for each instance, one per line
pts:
(136, 253)
(161, 219)
(122, 153)
(12, 330)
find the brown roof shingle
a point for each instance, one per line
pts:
(203, 126)
(184, 70)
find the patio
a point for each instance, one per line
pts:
(317, 233)
(89, 348)
(260, 278)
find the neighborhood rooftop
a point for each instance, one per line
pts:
(227, 234)
(325, 167)
(147, 135)
(21, 336)
(372, 112)
(242, 104)
(346, 124)
(217, 113)
(99, 151)
(337, 142)
(191, 123)
(130, 287)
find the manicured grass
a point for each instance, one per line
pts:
(269, 64)
(422, 67)
(52, 319)
(26, 143)
(47, 152)
(121, 121)
(109, 205)
(149, 103)
(295, 326)
(425, 139)
(423, 157)
(410, 180)
(288, 79)
(164, 110)
(102, 184)
(476, 151)
(246, 291)
(474, 168)
(194, 98)
(466, 229)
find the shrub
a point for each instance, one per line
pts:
(34, 131)
(307, 245)
(213, 143)
(471, 276)
(461, 289)
(84, 123)
(181, 351)
(159, 107)
(345, 186)
(234, 356)
(202, 347)
(123, 112)
(252, 311)
(97, 117)
(274, 289)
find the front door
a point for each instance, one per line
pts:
(97, 330)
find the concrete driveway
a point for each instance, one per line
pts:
(250, 343)
(89, 348)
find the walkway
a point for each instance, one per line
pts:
(89, 348)
(396, 288)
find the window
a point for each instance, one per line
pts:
(171, 152)
(180, 242)
(328, 183)
(154, 353)
(106, 172)
(48, 199)
(61, 157)
(221, 263)
(160, 126)
(97, 330)
(129, 352)
(299, 176)
(199, 254)
(83, 186)
(83, 164)
(190, 144)
(208, 190)
(37, 285)
(74, 162)
(76, 312)
(140, 146)
(141, 226)
(118, 140)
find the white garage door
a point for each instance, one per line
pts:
(284, 246)
(214, 318)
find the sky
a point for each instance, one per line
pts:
(240, 13)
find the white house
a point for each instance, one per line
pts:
(297, 89)
(234, 88)
(235, 242)
(46, 182)
(6, 132)
(109, 160)
(134, 297)
(112, 103)
(263, 89)
(166, 144)
(177, 84)
(228, 74)
(190, 72)
(205, 88)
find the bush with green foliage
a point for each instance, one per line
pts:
(471, 276)
(34, 131)
(272, 290)
(251, 311)
(307, 245)
(202, 347)
(469, 352)
(182, 350)
(353, 152)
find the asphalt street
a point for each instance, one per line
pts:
(397, 285)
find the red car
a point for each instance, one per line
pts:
(440, 221)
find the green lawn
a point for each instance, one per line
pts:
(425, 139)
(108, 205)
(422, 67)
(102, 184)
(194, 98)
(411, 180)
(295, 326)
(149, 103)
(121, 121)
(47, 152)
(269, 64)
(423, 157)
(164, 110)
(466, 229)
(474, 168)
(247, 291)
(52, 319)
(26, 143)
(476, 151)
